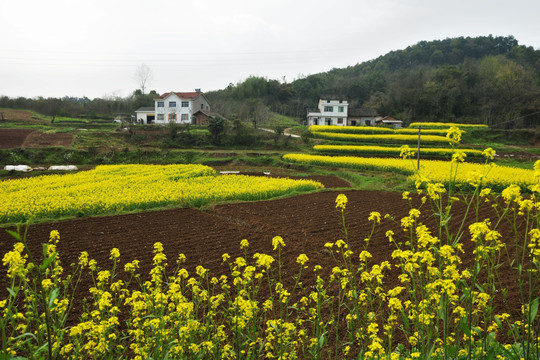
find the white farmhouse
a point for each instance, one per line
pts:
(334, 110)
(331, 110)
(176, 107)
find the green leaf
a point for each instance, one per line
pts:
(465, 328)
(498, 321)
(54, 295)
(533, 310)
(322, 340)
(14, 234)
(47, 261)
(11, 292)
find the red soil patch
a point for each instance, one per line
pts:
(17, 115)
(39, 139)
(13, 138)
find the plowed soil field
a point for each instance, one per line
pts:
(39, 139)
(26, 138)
(13, 138)
(306, 223)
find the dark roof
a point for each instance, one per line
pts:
(362, 112)
(210, 114)
(145, 109)
(182, 95)
(313, 110)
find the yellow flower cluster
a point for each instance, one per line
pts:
(375, 130)
(389, 150)
(443, 125)
(116, 188)
(435, 170)
(442, 305)
(390, 138)
(442, 131)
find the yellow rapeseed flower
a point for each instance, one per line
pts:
(244, 244)
(115, 254)
(341, 201)
(454, 135)
(277, 242)
(375, 216)
(302, 259)
(489, 153)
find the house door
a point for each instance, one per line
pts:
(315, 121)
(353, 122)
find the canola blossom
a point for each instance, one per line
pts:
(389, 150)
(378, 138)
(435, 170)
(375, 130)
(441, 131)
(119, 188)
(436, 125)
(442, 307)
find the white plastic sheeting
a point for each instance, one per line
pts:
(63, 167)
(24, 168)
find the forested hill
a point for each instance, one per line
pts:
(490, 80)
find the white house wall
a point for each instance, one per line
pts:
(141, 117)
(178, 110)
(326, 117)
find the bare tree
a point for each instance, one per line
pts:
(143, 76)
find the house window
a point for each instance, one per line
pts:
(172, 103)
(172, 117)
(341, 108)
(185, 117)
(328, 101)
(160, 116)
(160, 104)
(328, 108)
(202, 106)
(340, 120)
(185, 103)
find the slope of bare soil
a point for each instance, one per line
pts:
(13, 138)
(39, 139)
(16, 115)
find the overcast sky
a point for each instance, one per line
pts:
(92, 48)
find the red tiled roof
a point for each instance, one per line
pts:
(182, 95)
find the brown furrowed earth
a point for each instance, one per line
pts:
(13, 138)
(305, 222)
(26, 138)
(39, 139)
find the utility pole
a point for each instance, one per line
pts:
(418, 150)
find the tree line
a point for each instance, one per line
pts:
(489, 80)
(82, 107)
